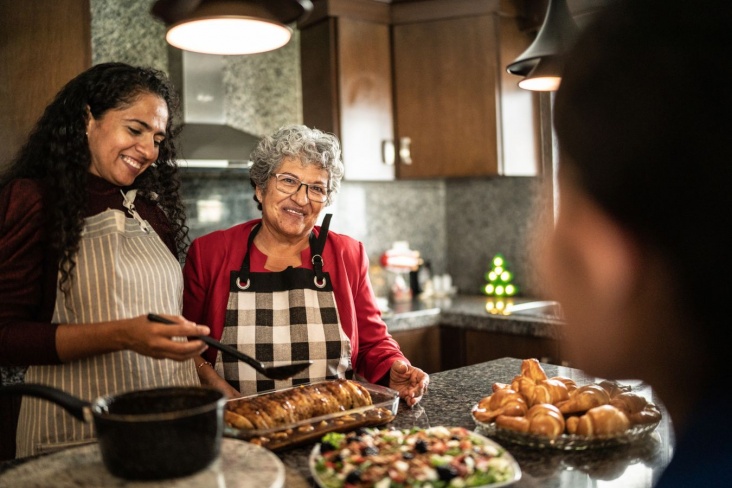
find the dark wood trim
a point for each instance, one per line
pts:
(368, 10)
(404, 13)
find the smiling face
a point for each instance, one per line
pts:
(124, 142)
(291, 217)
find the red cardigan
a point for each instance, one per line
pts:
(212, 257)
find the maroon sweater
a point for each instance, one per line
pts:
(29, 269)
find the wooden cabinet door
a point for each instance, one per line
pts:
(446, 75)
(43, 44)
(347, 90)
(421, 347)
(484, 346)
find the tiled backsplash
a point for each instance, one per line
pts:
(456, 224)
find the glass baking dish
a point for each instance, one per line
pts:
(385, 403)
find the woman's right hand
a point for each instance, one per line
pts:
(153, 339)
(157, 340)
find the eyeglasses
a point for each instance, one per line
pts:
(287, 183)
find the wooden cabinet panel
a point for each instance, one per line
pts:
(43, 44)
(428, 72)
(484, 346)
(347, 90)
(462, 347)
(445, 74)
(421, 347)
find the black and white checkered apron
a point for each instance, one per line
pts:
(282, 317)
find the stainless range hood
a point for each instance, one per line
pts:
(206, 140)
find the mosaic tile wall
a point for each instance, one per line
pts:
(458, 225)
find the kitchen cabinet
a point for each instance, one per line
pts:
(421, 346)
(43, 44)
(347, 86)
(463, 347)
(422, 84)
(463, 114)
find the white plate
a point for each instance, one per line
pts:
(240, 465)
(482, 439)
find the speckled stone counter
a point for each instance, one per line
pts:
(452, 395)
(469, 311)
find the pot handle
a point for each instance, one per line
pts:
(75, 406)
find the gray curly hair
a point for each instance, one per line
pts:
(310, 146)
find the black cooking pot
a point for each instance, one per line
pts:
(147, 434)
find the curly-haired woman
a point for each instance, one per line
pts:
(91, 231)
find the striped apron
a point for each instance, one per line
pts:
(283, 317)
(123, 270)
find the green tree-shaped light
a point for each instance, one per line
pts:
(499, 279)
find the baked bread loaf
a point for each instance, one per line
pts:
(296, 404)
(602, 421)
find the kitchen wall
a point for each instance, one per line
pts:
(458, 225)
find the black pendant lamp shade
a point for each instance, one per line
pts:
(230, 26)
(556, 34)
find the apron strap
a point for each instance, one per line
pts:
(316, 248)
(243, 281)
(317, 244)
(128, 200)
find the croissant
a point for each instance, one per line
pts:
(519, 424)
(531, 368)
(612, 388)
(524, 385)
(502, 402)
(545, 419)
(568, 382)
(583, 399)
(499, 386)
(601, 421)
(636, 408)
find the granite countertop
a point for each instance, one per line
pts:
(451, 396)
(469, 311)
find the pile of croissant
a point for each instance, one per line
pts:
(533, 403)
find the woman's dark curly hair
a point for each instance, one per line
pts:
(57, 153)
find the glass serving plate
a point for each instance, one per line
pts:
(567, 442)
(515, 471)
(385, 403)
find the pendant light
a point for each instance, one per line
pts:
(229, 27)
(541, 62)
(544, 76)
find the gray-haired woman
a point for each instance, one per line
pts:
(282, 289)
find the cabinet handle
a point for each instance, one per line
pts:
(388, 152)
(405, 150)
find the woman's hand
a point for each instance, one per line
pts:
(77, 341)
(410, 382)
(156, 340)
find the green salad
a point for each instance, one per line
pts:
(439, 457)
